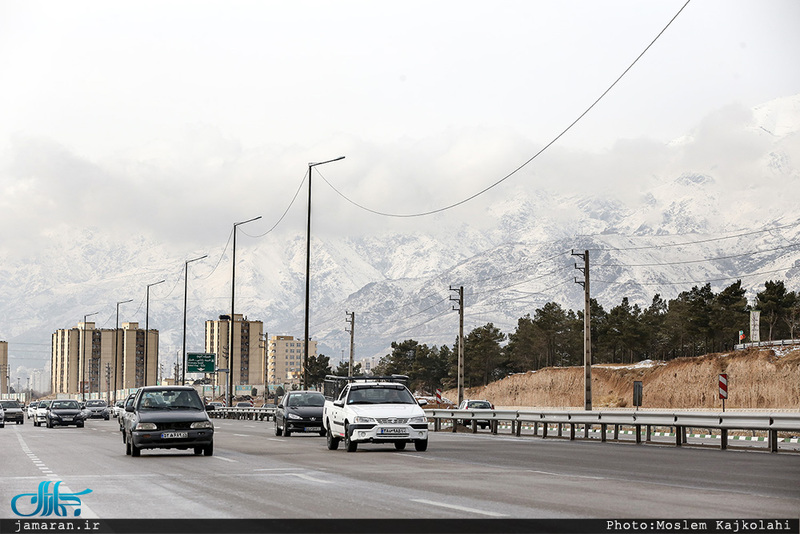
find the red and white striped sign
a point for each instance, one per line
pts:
(439, 395)
(723, 386)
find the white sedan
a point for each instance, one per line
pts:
(41, 414)
(31, 410)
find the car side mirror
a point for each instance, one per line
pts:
(280, 406)
(423, 402)
(129, 409)
(339, 403)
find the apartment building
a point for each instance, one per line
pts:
(285, 364)
(88, 360)
(248, 361)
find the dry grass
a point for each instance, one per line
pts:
(757, 379)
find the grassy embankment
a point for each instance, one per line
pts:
(757, 379)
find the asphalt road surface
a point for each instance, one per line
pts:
(254, 474)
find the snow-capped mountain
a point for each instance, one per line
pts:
(682, 215)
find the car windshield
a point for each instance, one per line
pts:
(297, 400)
(170, 399)
(480, 405)
(95, 403)
(380, 395)
(9, 404)
(64, 405)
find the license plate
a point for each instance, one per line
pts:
(67, 418)
(393, 432)
(313, 428)
(172, 435)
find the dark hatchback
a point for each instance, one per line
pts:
(300, 411)
(64, 413)
(168, 417)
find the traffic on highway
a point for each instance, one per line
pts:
(254, 473)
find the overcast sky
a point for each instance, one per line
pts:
(129, 115)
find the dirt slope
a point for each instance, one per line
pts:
(757, 379)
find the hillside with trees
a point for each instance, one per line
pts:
(696, 322)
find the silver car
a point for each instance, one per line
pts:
(13, 411)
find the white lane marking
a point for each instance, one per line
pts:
(226, 459)
(239, 435)
(564, 475)
(274, 439)
(85, 511)
(460, 508)
(418, 456)
(307, 477)
(276, 469)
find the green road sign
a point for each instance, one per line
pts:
(200, 362)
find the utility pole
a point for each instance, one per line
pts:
(587, 331)
(351, 318)
(108, 383)
(460, 301)
(265, 347)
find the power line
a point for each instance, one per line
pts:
(696, 281)
(536, 155)
(649, 247)
(299, 188)
(718, 258)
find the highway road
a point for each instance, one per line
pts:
(254, 474)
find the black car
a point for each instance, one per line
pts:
(12, 412)
(65, 412)
(300, 411)
(98, 408)
(168, 417)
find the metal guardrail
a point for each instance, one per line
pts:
(253, 413)
(681, 422)
(778, 343)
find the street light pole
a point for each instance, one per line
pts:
(230, 325)
(116, 348)
(308, 269)
(185, 299)
(147, 329)
(83, 356)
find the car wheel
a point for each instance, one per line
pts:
(2, 425)
(322, 433)
(400, 445)
(333, 442)
(287, 433)
(278, 430)
(79, 425)
(22, 421)
(421, 445)
(209, 449)
(198, 451)
(349, 444)
(127, 447)
(135, 451)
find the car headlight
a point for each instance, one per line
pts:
(293, 416)
(420, 419)
(146, 426)
(203, 424)
(364, 419)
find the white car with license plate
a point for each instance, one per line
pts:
(374, 410)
